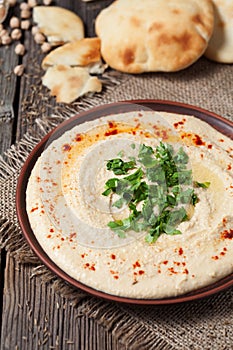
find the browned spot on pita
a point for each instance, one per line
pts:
(55, 90)
(135, 21)
(74, 82)
(93, 55)
(221, 24)
(156, 26)
(61, 68)
(164, 39)
(176, 11)
(184, 40)
(128, 56)
(197, 19)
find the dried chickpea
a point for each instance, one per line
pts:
(47, 2)
(46, 47)
(24, 6)
(6, 39)
(32, 3)
(16, 34)
(39, 38)
(35, 30)
(19, 70)
(20, 49)
(14, 22)
(3, 32)
(12, 2)
(25, 24)
(25, 14)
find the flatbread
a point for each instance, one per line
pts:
(58, 24)
(83, 52)
(69, 215)
(69, 83)
(154, 35)
(220, 47)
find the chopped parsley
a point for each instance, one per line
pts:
(157, 191)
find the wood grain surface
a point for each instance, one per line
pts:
(33, 315)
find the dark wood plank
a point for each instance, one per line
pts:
(6, 128)
(8, 84)
(8, 80)
(37, 318)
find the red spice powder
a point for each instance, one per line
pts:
(79, 137)
(227, 234)
(136, 264)
(111, 124)
(215, 257)
(194, 137)
(66, 147)
(112, 132)
(180, 251)
(198, 141)
(171, 269)
(89, 266)
(34, 209)
(164, 135)
(224, 221)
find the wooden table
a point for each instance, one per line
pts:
(33, 316)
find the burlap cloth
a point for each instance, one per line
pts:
(204, 324)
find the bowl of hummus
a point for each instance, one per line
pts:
(132, 202)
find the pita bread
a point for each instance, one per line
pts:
(220, 47)
(68, 83)
(154, 35)
(58, 24)
(82, 52)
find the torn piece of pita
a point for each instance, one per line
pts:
(69, 83)
(84, 53)
(154, 35)
(220, 48)
(58, 24)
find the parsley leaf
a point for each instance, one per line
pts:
(158, 186)
(119, 167)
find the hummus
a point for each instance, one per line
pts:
(69, 215)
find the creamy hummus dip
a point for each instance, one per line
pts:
(69, 215)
